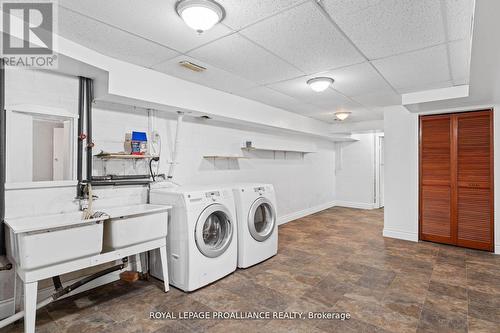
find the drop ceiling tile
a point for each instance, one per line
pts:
(459, 15)
(460, 61)
(155, 20)
(419, 70)
(366, 114)
(379, 99)
(381, 28)
(279, 100)
(213, 77)
(357, 80)
(241, 13)
(241, 57)
(298, 88)
(111, 41)
(305, 38)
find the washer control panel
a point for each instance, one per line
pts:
(213, 195)
(260, 190)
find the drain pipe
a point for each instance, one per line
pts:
(81, 135)
(88, 99)
(2, 156)
(173, 163)
(60, 292)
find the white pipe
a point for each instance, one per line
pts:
(175, 153)
(20, 314)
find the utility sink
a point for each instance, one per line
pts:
(131, 225)
(39, 241)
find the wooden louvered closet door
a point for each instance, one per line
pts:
(436, 183)
(456, 179)
(475, 180)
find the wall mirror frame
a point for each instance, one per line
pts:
(19, 149)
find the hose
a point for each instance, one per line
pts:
(156, 159)
(180, 116)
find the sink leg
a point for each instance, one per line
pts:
(164, 266)
(30, 290)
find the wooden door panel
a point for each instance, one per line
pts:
(475, 180)
(473, 160)
(436, 213)
(435, 179)
(436, 151)
(474, 218)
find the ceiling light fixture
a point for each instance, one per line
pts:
(192, 66)
(320, 84)
(200, 15)
(342, 115)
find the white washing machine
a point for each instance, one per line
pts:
(257, 223)
(201, 241)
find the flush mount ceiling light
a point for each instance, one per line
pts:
(200, 15)
(342, 115)
(320, 84)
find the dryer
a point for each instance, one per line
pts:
(257, 223)
(201, 239)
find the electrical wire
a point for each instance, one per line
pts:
(156, 159)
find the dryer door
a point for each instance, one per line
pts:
(214, 230)
(261, 219)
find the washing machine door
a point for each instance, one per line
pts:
(214, 231)
(261, 219)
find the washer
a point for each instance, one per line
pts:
(257, 223)
(201, 240)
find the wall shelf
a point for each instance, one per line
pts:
(224, 157)
(112, 156)
(284, 150)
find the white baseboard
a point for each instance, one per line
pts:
(409, 236)
(359, 205)
(497, 249)
(308, 211)
(7, 306)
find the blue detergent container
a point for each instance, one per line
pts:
(139, 143)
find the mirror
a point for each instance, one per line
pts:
(40, 147)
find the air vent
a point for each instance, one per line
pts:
(191, 66)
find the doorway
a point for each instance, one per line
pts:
(379, 171)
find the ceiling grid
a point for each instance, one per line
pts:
(266, 50)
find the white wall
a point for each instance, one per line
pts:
(303, 185)
(355, 181)
(401, 167)
(401, 174)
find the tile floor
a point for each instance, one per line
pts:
(335, 260)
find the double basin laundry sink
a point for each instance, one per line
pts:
(39, 241)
